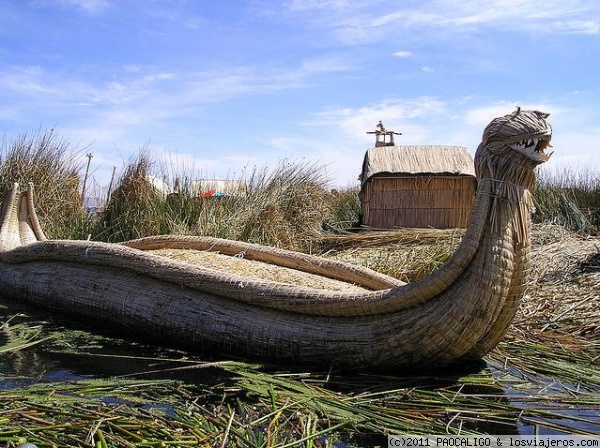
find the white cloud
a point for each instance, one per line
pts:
(402, 54)
(483, 115)
(283, 143)
(159, 77)
(89, 6)
(512, 14)
(576, 26)
(195, 23)
(92, 6)
(308, 5)
(407, 116)
(364, 22)
(134, 68)
(323, 64)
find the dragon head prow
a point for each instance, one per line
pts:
(524, 131)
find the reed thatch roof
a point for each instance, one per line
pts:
(417, 159)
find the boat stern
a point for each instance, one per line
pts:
(19, 223)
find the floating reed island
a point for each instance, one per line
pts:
(288, 307)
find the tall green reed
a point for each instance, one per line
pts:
(53, 166)
(569, 198)
(283, 207)
(289, 206)
(135, 208)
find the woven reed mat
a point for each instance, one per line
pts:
(238, 265)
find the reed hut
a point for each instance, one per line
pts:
(417, 186)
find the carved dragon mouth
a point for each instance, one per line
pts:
(524, 131)
(534, 146)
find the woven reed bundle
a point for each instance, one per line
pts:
(459, 312)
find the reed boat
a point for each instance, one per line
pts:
(291, 308)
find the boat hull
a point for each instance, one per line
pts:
(166, 313)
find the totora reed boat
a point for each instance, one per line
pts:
(292, 308)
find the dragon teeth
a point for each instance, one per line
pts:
(531, 142)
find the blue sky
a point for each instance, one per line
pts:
(216, 87)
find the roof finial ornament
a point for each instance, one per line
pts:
(381, 133)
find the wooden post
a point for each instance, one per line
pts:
(89, 156)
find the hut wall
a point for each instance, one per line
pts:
(439, 202)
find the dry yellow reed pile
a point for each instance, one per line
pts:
(564, 293)
(564, 296)
(407, 254)
(255, 269)
(406, 237)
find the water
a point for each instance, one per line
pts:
(80, 353)
(76, 352)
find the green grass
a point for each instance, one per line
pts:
(525, 382)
